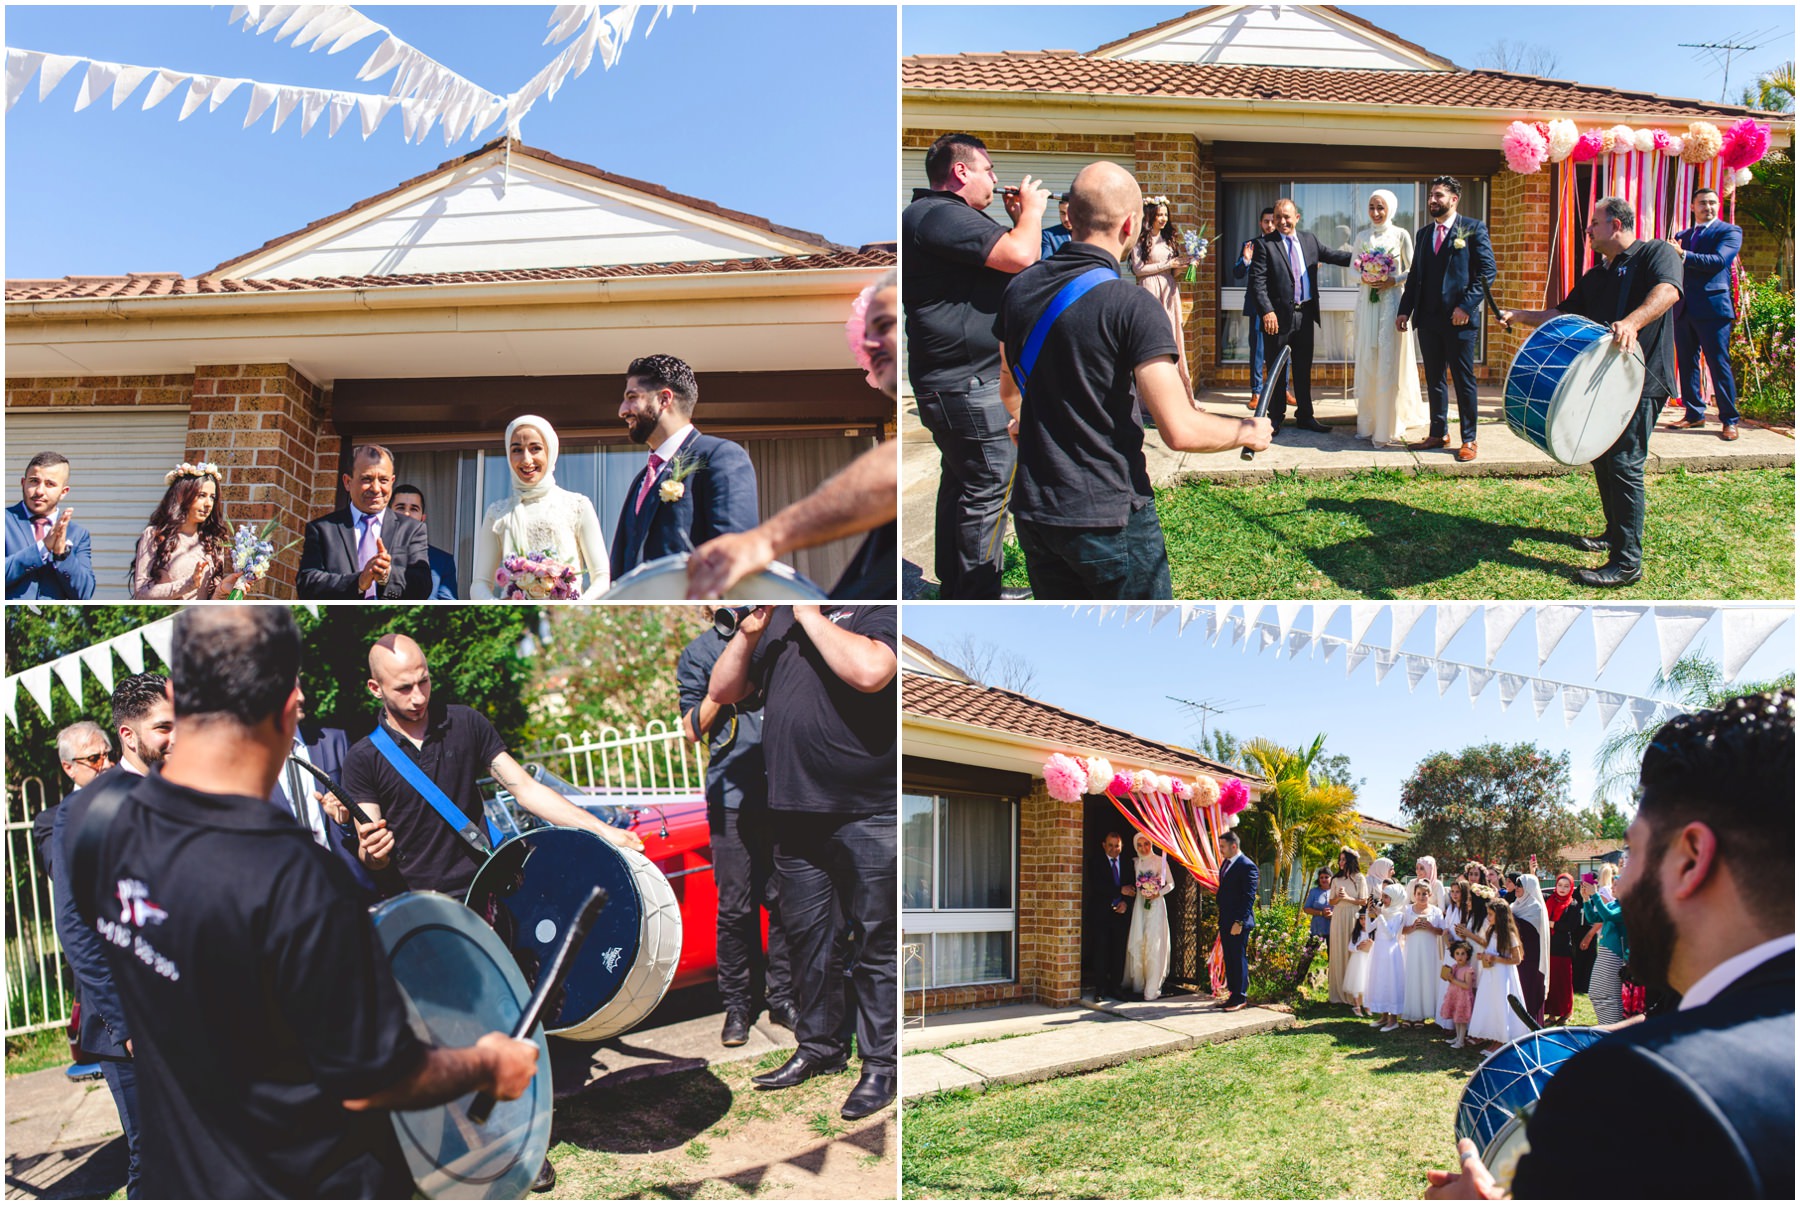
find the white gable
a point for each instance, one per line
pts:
(488, 215)
(1270, 35)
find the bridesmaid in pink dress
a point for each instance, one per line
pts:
(185, 552)
(1156, 260)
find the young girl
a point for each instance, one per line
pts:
(1493, 1019)
(1419, 933)
(1356, 966)
(1456, 911)
(1459, 992)
(1387, 961)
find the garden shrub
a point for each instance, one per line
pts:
(1762, 350)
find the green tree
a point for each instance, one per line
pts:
(1498, 803)
(609, 667)
(1773, 90)
(1223, 747)
(1300, 817)
(1607, 821)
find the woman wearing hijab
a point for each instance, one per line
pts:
(1425, 870)
(539, 517)
(1566, 928)
(1381, 873)
(1534, 938)
(1387, 377)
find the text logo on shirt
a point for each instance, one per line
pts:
(138, 910)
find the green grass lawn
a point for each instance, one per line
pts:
(1327, 1108)
(37, 1050)
(1382, 534)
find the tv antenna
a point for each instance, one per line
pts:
(1721, 52)
(1210, 707)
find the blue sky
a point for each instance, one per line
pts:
(784, 112)
(1120, 675)
(1621, 46)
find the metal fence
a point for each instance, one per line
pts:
(39, 990)
(655, 760)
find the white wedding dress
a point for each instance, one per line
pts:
(554, 520)
(1147, 945)
(1388, 401)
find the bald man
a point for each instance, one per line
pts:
(410, 846)
(1082, 502)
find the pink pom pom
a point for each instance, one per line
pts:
(1121, 784)
(1659, 140)
(1183, 790)
(1745, 143)
(1524, 148)
(1064, 778)
(1590, 146)
(1234, 796)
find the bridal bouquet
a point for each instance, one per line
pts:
(534, 576)
(1376, 266)
(1193, 245)
(1149, 886)
(252, 552)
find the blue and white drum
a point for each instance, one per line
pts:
(1571, 391)
(1498, 1100)
(665, 579)
(461, 982)
(529, 891)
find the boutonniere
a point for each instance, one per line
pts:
(1460, 239)
(681, 468)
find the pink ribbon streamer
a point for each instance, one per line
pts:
(1189, 833)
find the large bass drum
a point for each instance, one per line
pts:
(1571, 391)
(1499, 1098)
(530, 889)
(460, 982)
(665, 579)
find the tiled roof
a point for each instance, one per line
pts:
(169, 284)
(1377, 825)
(1340, 14)
(1008, 711)
(1515, 95)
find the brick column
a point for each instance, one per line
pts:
(1520, 215)
(1049, 897)
(1170, 165)
(269, 428)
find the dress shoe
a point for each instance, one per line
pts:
(1235, 1007)
(1292, 404)
(1274, 428)
(1728, 432)
(737, 1027)
(1435, 441)
(546, 1178)
(1684, 424)
(873, 1093)
(797, 1071)
(1466, 453)
(1610, 575)
(1312, 424)
(782, 1015)
(1592, 544)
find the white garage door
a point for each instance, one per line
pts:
(117, 461)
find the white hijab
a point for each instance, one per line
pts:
(1528, 909)
(552, 446)
(1394, 901)
(1393, 207)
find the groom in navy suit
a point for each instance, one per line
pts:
(1237, 916)
(1284, 284)
(1453, 265)
(694, 486)
(1704, 315)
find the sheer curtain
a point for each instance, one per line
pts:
(975, 844)
(788, 470)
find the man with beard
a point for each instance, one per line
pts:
(694, 487)
(1709, 903)
(47, 552)
(145, 722)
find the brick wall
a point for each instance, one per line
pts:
(172, 389)
(1179, 167)
(1521, 213)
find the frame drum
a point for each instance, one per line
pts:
(461, 982)
(1570, 391)
(665, 579)
(529, 891)
(1497, 1101)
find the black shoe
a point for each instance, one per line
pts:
(873, 1093)
(782, 1015)
(1274, 429)
(1610, 575)
(1592, 544)
(1309, 424)
(797, 1071)
(737, 1027)
(546, 1178)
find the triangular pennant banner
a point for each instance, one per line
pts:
(68, 669)
(1188, 612)
(1132, 612)
(1355, 656)
(1447, 672)
(1642, 712)
(1478, 681)
(312, 105)
(286, 100)
(1450, 620)
(1322, 615)
(1609, 703)
(1676, 628)
(1330, 644)
(36, 682)
(21, 65)
(129, 79)
(1510, 686)
(1362, 617)
(1611, 626)
(99, 77)
(166, 81)
(1746, 628)
(51, 72)
(1406, 617)
(221, 93)
(1265, 636)
(98, 659)
(1416, 669)
(1297, 643)
(1574, 699)
(199, 88)
(1500, 619)
(1553, 623)
(9, 696)
(1541, 694)
(1158, 613)
(261, 97)
(161, 637)
(1385, 660)
(1285, 614)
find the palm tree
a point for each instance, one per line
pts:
(1298, 818)
(1773, 90)
(1696, 683)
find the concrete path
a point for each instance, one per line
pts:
(1335, 454)
(1023, 1043)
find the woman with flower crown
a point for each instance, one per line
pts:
(1155, 260)
(539, 517)
(185, 552)
(1387, 373)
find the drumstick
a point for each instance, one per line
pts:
(1489, 298)
(1269, 380)
(331, 785)
(1518, 1006)
(548, 983)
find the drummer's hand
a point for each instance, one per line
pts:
(624, 838)
(1506, 317)
(511, 1064)
(332, 806)
(376, 842)
(1459, 317)
(720, 563)
(1625, 335)
(1473, 1183)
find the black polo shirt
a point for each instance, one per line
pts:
(1081, 448)
(429, 855)
(948, 293)
(829, 746)
(734, 768)
(260, 999)
(1649, 262)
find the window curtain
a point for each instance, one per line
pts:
(975, 853)
(916, 879)
(788, 470)
(961, 958)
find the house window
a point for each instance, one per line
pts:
(959, 888)
(1333, 210)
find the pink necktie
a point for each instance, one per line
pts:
(1437, 244)
(38, 527)
(365, 551)
(649, 480)
(1296, 265)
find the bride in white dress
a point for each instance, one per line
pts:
(1388, 401)
(539, 516)
(1147, 945)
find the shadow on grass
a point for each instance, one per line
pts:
(658, 1114)
(1431, 547)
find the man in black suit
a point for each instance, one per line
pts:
(1453, 265)
(1240, 270)
(1111, 884)
(366, 550)
(694, 487)
(1284, 283)
(1237, 916)
(1709, 905)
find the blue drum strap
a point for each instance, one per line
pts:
(1067, 296)
(433, 794)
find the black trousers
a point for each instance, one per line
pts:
(1620, 475)
(1440, 348)
(1297, 376)
(833, 867)
(744, 872)
(121, 1081)
(1097, 562)
(1108, 933)
(1237, 961)
(975, 474)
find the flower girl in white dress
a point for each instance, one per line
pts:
(539, 516)
(1493, 1019)
(1356, 965)
(1387, 962)
(1420, 937)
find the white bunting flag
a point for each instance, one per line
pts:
(221, 93)
(271, 15)
(1362, 618)
(312, 104)
(1611, 626)
(1285, 614)
(51, 72)
(1188, 612)
(98, 659)
(1265, 637)
(1354, 656)
(36, 682)
(1574, 699)
(1416, 669)
(1609, 703)
(161, 637)
(302, 14)
(1158, 613)
(9, 694)
(1553, 623)
(1676, 628)
(286, 100)
(1500, 619)
(339, 107)
(1541, 694)
(199, 88)
(261, 97)
(130, 648)
(1322, 614)
(389, 54)
(1133, 612)
(99, 77)
(1297, 643)
(1642, 712)
(1106, 610)
(1746, 628)
(374, 108)
(1214, 623)
(166, 81)
(1406, 617)
(1330, 644)
(566, 20)
(129, 78)
(68, 669)
(1478, 681)
(1385, 660)
(1450, 620)
(1447, 672)
(21, 65)
(1510, 686)
(353, 35)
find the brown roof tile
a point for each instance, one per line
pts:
(148, 284)
(1008, 711)
(1514, 95)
